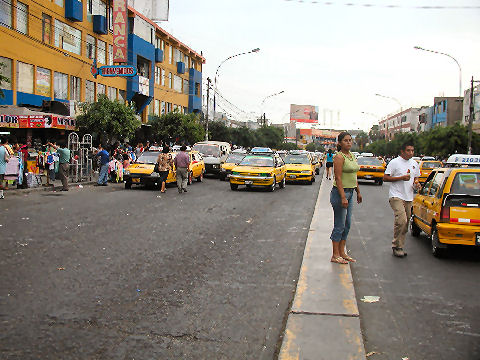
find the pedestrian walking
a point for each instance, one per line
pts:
(64, 161)
(164, 165)
(4, 157)
(345, 169)
(329, 163)
(182, 162)
(104, 157)
(403, 172)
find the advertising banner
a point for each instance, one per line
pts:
(46, 121)
(304, 113)
(9, 121)
(120, 31)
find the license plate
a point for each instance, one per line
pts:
(136, 180)
(368, 177)
(477, 239)
(292, 176)
(248, 182)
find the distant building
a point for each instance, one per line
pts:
(404, 121)
(447, 111)
(476, 108)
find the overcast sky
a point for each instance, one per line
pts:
(334, 56)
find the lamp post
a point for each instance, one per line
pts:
(263, 102)
(391, 98)
(451, 57)
(218, 68)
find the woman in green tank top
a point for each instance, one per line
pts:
(345, 169)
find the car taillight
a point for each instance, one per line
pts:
(445, 214)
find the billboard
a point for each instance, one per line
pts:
(304, 113)
(120, 31)
(37, 122)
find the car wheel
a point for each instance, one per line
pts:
(222, 177)
(414, 229)
(313, 178)
(128, 184)
(380, 182)
(317, 171)
(233, 186)
(274, 185)
(282, 184)
(200, 178)
(190, 178)
(436, 250)
(310, 182)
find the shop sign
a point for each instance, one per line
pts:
(37, 122)
(120, 31)
(113, 70)
(9, 121)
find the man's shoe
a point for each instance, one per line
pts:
(185, 190)
(64, 190)
(179, 191)
(105, 184)
(398, 252)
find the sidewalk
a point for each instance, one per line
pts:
(324, 322)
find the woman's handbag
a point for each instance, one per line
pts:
(155, 168)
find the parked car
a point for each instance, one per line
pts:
(214, 154)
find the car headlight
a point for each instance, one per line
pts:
(154, 174)
(306, 172)
(222, 169)
(126, 172)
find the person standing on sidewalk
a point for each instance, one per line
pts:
(4, 156)
(345, 168)
(182, 162)
(165, 164)
(403, 172)
(329, 164)
(104, 160)
(64, 160)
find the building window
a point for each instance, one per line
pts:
(22, 18)
(101, 90)
(177, 55)
(187, 62)
(143, 66)
(101, 55)
(110, 54)
(194, 64)
(59, 2)
(110, 16)
(444, 105)
(6, 70)
(162, 76)
(151, 109)
(67, 38)
(157, 107)
(171, 54)
(159, 43)
(197, 89)
(75, 86)
(24, 77)
(158, 72)
(46, 28)
(162, 104)
(112, 93)
(60, 86)
(96, 7)
(43, 81)
(185, 86)
(169, 107)
(89, 91)
(6, 13)
(90, 47)
(122, 96)
(170, 80)
(177, 83)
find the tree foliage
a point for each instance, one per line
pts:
(177, 128)
(110, 120)
(440, 141)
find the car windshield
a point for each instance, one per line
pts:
(431, 164)
(466, 183)
(296, 159)
(255, 160)
(235, 158)
(148, 157)
(207, 150)
(369, 161)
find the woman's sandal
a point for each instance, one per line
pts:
(339, 260)
(348, 258)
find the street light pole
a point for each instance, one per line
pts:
(263, 102)
(451, 57)
(216, 75)
(391, 98)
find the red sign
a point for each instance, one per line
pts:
(37, 122)
(120, 31)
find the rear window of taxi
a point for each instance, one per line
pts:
(369, 161)
(467, 183)
(431, 164)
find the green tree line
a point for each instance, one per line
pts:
(439, 141)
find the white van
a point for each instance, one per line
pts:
(214, 154)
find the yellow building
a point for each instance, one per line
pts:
(48, 48)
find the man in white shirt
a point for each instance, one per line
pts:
(403, 172)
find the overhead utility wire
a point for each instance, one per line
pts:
(389, 6)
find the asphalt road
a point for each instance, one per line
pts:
(429, 308)
(108, 273)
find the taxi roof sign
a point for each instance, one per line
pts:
(258, 149)
(463, 159)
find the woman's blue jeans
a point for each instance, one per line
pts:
(341, 216)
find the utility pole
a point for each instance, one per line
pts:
(471, 118)
(208, 100)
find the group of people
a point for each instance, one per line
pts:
(402, 172)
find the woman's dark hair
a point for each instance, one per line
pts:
(165, 150)
(330, 151)
(341, 136)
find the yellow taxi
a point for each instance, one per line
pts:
(426, 167)
(260, 168)
(371, 168)
(233, 159)
(300, 167)
(447, 207)
(141, 172)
